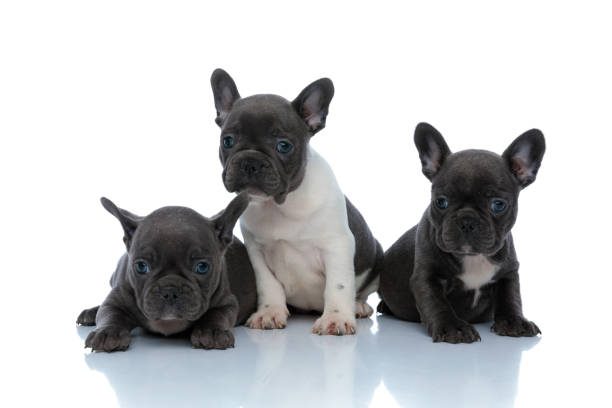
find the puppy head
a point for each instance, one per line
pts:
(474, 199)
(176, 257)
(264, 138)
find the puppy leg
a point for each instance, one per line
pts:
(213, 330)
(339, 311)
(443, 325)
(509, 320)
(362, 309)
(88, 317)
(272, 310)
(114, 326)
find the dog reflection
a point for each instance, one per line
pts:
(418, 372)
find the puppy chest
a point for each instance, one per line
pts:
(267, 223)
(477, 271)
(299, 268)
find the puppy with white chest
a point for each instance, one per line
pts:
(309, 246)
(458, 265)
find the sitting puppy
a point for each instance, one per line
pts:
(458, 265)
(309, 246)
(181, 271)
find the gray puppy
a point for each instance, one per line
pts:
(181, 271)
(458, 265)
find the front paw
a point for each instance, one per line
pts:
(453, 331)
(515, 326)
(108, 339)
(88, 317)
(335, 323)
(269, 317)
(205, 338)
(362, 309)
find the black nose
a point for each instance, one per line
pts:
(467, 224)
(169, 293)
(250, 167)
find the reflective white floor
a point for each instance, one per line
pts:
(388, 363)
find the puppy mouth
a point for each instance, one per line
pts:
(167, 314)
(253, 172)
(170, 316)
(465, 250)
(456, 243)
(178, 303)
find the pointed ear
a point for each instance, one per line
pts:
(312, 104)
(524, 156)
(226, 219)
(128, 221)
(225, 93)
(432, 148)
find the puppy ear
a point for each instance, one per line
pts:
(524, 156)
(312, 104)
(128, 221)
(432, 148)
(226, 219)
(225, 93)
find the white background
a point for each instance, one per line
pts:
(113, 98)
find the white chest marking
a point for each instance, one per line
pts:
(293, 236)
(477, 272)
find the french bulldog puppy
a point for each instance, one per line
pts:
(182, 271)
(458, 265)
(309, 246)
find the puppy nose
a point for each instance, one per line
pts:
(169, 293)
(467, 224)
(250, 167)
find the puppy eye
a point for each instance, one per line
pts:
(228, 142)
(202, 268)
(284, 147)
(141, 267)
(441, 203)
(498, 205)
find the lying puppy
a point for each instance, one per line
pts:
(181, 271)
(458, 265)
(309, 246)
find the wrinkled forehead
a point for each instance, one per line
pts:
(262, 112)
(177, 233)
(473, 171)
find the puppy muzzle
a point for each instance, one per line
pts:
(172, 298)
(466, 233)
(254, 172)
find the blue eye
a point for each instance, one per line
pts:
(202, 267)
(228, 142)
(498, 205)
(284, 147)
(141, 267)
(441, 203)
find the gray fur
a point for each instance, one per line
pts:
(420, 279)
(172, 297)
(257, 123)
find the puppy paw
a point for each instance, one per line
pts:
(515, 326)
(335, 323)
(362, 309)
(454, 331)
(88, 317)
(206, 338)
(108, 339)
(269, 317)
